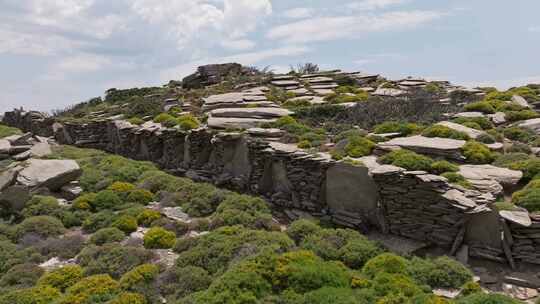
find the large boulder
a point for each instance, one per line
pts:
(52, 174)
(445, 147)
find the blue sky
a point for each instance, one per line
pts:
(57, 52)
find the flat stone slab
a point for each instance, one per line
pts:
(261, 132)
(225, 98)
(323, 92)
(320, 79)
(41, 149)
(52, 174)
(233, 123)
(250, 112)
(324, 86)
(533, 124)
(285, 83)
(389, 92)
(469, 115)
(518, 217)
(459, 198)
(504, 176)
(473, 133)
(428, 145)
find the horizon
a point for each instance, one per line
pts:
(57, 53)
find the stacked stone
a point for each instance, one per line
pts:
(320, 84)
(526, 242)
(173, 149)
(23, 147)
(91, 135)
(416, 205)
(38, 123)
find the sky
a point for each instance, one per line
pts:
(54, 53)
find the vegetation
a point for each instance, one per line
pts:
(445, 132)
(408, 160)
(477, 153)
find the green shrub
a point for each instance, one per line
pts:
(121, 187)
(21, 276)
(444, 132)
(85, 201)
(113, 259)
(486, 138)
(300, 229)
(408, 160)
(518, 147)
(106, 199)
(443, 166)
(530, 167)
(34, 295)
(506, 160)
(96, 221)
(99, 288)
(159, 238)
(188, 122)
(395, 287)
(483, 122)
(129, 298)
(442, 272)
(521, 115)
(41, 205)
(62, 278)
(304, 144)
(107, 235)
(359, 146)
(398, 127)
(147, 217)
(456, 178)
(163, 117)
(136, 121)
(477, 153)
(184, 281)
(140, 196)
(126, 223)
(385, 263)
(470, 288)
(528, 198)
(482, 298)
(480, 106)
(143, 274)
(520, 134)
(251, 212)
(472, 125)
(179, 228)
(43, 226)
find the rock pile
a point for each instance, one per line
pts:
(211, 74)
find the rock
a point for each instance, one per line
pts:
(523, 280)
(459, 198)
(473, 133)
(8, 177)
(520, 293)
(211, 74)
(55, 263)
(533, 124)
(445, 147)
(20, 140)
(389, 92)
(260, 132)
(469, 114)
(165, 257)
(52, 174)
(323, 92)
(498, 118)
(285, 83)
(262, 113)
(504, 176)
(517, 216)
(41, 149)
(236, 123)
(516, 99)
(176, 213)
(447, 293)
(22, 156)
(5, 146)
(71, 191)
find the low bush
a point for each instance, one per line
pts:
(518, 147)
(477, 153)
(456, 178)
(179, 228)
(136, 121)
(486, 138)
(113, 259)
(408, 160)
(62, 278)
(85, 201)
(385, 263)
(159, 238)
(42, 205)
(483, 122)
(529, 167)
(21, 276)
(140, 275)
(444, 132)
(96, 221)
(147, 217)
(188, 122)
(245, 210)
(359, 146)
(520, 134)
(480, 106)
(179, 282)
(126, 223)
(93, 289)
(63, 247)
(507, 159)
(521, 115)
(34, 295)
(106, 199)
(483, 298)
(43, 226)
(163, 117)
(443, 166)
(398, 127)
(121, 187)
(128, 298)
(302, 228)
(6, 131)
(140, 196)
(107, 235)
(470, 288)
(442, 272)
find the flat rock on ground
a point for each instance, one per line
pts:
(52, 174)
(533, 124)
(473, 133)
(231, 122)
(504, 176)
(251, 112)
(434, 146)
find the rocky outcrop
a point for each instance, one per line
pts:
(211, 74)
(51, 174)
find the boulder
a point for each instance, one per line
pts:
(504, 176)
(445, 147)
(5, 147)
(473, 133)
(516, 99)
(261, 113)
(52, 174)
(520, 217)
(236, 123)
(41, 149)
(71, 191)
(498, 118)
(532, 124)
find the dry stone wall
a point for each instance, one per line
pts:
(414, 205)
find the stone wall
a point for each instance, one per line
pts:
(415, 205)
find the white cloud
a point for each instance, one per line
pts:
(35, 44)
(84, 63)
(332, 28)
(241, 44)
(299, 13)
(534, 29)
(368, 5)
